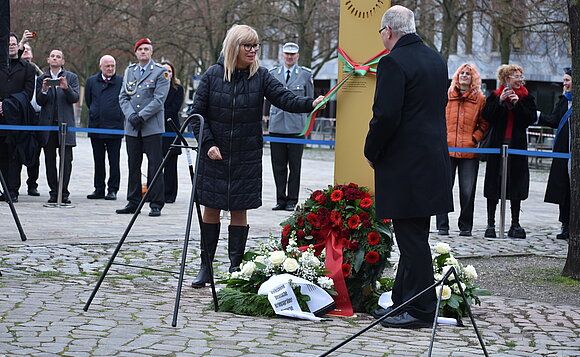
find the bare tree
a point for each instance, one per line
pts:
(572, 266)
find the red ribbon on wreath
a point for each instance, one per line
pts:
(334, 258)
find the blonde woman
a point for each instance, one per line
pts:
(465, 129)
(510, 109)
(231, 97)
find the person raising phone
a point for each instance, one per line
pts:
(510, 109)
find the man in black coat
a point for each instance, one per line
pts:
(407, 147)
(558, 188)
(102, 98)
(18, 77)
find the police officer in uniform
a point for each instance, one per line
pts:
(286, 157)
(142, 98)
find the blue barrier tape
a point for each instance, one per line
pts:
(475, 150)
(80, 130)
(275, 139)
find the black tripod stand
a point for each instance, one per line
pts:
(399, 308)
(192, 201)
(12, 209)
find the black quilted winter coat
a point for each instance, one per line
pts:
(233, 122)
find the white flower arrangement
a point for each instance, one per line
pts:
(272, 259)
(452, 303)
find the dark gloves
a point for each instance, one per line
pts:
(136, 121)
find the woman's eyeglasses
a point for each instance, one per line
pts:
(249, 46)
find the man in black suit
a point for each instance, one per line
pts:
(406, 145)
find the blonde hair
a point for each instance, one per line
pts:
(475, 85)
(506, 70)
(237, 35)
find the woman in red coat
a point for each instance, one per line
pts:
(509, 110)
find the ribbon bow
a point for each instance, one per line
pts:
(351, 68)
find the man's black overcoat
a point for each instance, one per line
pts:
(407, 138)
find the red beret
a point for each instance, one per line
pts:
(140, 42)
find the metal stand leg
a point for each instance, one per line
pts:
(134, 218)
(504, 161)
(12, 208)
(63, 129)
(399, 308)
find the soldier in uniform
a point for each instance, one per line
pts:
(286, 157)
(142, 98)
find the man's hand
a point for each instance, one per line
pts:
(136, 121)
(214, 153)
(63, 83)
(26, 36)
(45, 86)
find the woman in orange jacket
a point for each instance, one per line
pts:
(465, 128)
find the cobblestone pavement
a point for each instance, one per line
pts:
(47, 279)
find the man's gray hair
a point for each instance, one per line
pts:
(106, 57)
(400, 19)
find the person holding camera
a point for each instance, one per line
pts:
(56, 92)
(142, 97)
(231, 98)
(510, 109)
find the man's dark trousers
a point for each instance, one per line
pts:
(286, 156)
(415, 270)
(151, 146)
(112, 147)
(50, 153)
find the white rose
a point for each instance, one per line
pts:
(445, 270)
(325, 282)
(290, 265)
(470, 272)
(260, 259)
(248, 269)
(277, 257)
(442, 248)
(451, 261)
(446, 292)
(236, 275)
(456, 288)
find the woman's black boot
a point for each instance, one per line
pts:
(210, 233)
(238, 235)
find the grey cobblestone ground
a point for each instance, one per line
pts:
(47, 279)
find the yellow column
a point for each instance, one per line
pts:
(358, 37)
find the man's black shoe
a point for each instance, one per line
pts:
(279, 207)
(65, 199)
(290, 207)
(490, 232)
(516, 232)
(404, 320)
(111, 196)
(155, 212)
(443, 232)
(96, 195)
(33, 192)
(465, 233)
(128, 209)
(380, 312)
(51, 199)
(563, 236)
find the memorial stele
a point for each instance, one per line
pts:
(358, 37)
